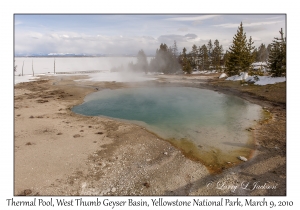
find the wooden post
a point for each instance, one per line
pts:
(22, 68)
(32, 68)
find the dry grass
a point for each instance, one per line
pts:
(274, 93)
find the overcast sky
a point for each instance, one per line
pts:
(130, 33)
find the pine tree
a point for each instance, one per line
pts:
(268, 50)
(256, 55)
(209, 52)
(175, 49)
(217, 55)
(240, 53)
(194, 56)
(164, 61)
(262, 53)
(225, 58)
(249, 56)
(200, 58)
(203, 54)
(277, 57)
(185, 62)
(142, 63)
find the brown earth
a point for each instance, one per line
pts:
(58, 152)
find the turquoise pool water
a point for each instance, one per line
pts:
(209, 120)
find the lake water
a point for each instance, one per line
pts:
(206, 125)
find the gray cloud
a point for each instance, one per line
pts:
(148, 36)
(256, 28)
(183, 29)
(192, 18)
(168, 39)
(253, 24)
(255, 39)
(80, 43)
(111, 34)
(191, 36)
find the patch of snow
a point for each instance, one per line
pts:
(259, 64)
(223, 75)
(25, 78)
(245, 76)
(58, 75)
(196, 72)
(257, 80)
(204, 72)
(265, 80)
(242, 76)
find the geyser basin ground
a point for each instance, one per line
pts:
(206, 125)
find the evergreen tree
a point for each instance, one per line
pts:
(200, 58)
(209, 52)
(194, 57)
(175, 49)
(277, 57)
(225, 58)
(217, 55)
(249, 56)
(164, 60)
(240, 53)
(203, 54)
(185, 62)
(268, 50)
(262, 53)
(142, 63)
(255, 55)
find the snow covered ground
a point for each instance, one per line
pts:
(265, 80)
(106, 76)
(204, 72)
(257, 80)
(242, 76)
(260, 66)
(25, 78)
(222, 75)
